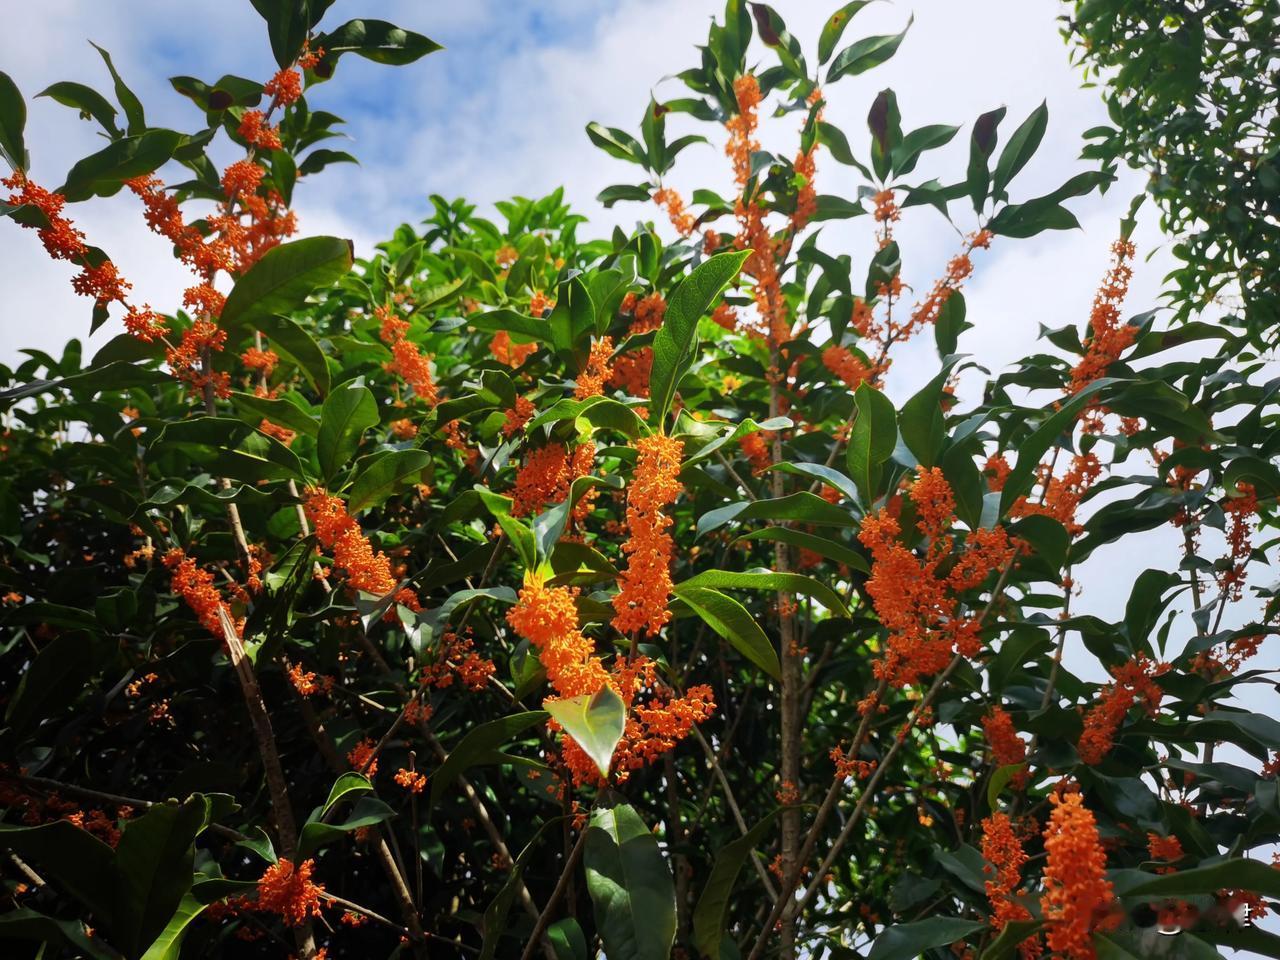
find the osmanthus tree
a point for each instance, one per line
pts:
(511, 594)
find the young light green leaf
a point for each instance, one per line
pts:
(594, 722)
(732, 621)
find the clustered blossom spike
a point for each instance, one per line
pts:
(256, 132)
(1134, 684)
(1006, 746)
(1003, 850)
(1077, 896)
(1061, 496)
(366, 569)
(1108, 336)
(844, 364)
(673, 203)
(290, 892)
(918, 603)
(508, 352)
(516, 417)
(408, 362)
(597, 372)
(195, 586)
(1240, 511)
(641, 601)
(548, 618)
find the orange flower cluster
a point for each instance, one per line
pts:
(456, 658)
(506, 256)
(1006, 746)
(290, 892)
(411, 780)
(807, 194)
(1077, 895)
(366, 569)
(1234, 654)
(918, 604)
(358, 756)
(242, 179)
(1240, 510)
(592, 379)
(997, 470)
(1061, 496)
(546, 474)
(540, 303)
(277, 432)
(674, 204)
(1003, 850)
(408, 362)
(847, 366)
(403, 429)
(1108, 337)
(548, 618)
(145, 324)
(518, 416)
(725, 316)
(99, 280)
(286, 86)
(504, 350)
(848, 766)
(886, 214)
(260, 361)
(641, 601)
(631, 371)
(1134, 684)
(755, 447)
(195, 587)
(958, 270)
(188, 361)
(649, 311)
(1164, 848)
(307, 683)
(257, 133)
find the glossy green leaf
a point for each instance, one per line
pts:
(713, 904)
(376, 40)
(478, 744)
(1236, 874)
(864, 54)
(27, 924)
(283, 278)
(13, 121)
(296, 346)
(673, 345)
(833, 29)
(732, 621)
(103, 173)
(595, 722)
(168, 945)
(382, 476)
(1021, 147)
(348, 412)
(86, 100)
(906, 941)
(630, 886)
(768, 580)
(872, 440)
(132, 106)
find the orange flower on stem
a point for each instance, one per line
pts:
(1002, 849)
(1077, 895)
(641, 601)
(290, 892)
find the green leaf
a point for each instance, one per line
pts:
(1010, 937)
(999, 780)
(982, 142)
(622, 191)
(903, 157)
(630, 886)
(568, 940)
(382, 476)
(286, 27)
(13, 121)
(517, 531)
(495, 915)
(906, 941)
(283, 278)
(872, 440)
(810, 541)
(296, 346)
(768, 580)
(862, 55)
(802, 506)
(168, 945)
(431, 622)
(88, 101)
(595, 723)
(154, 862)
(367, 812)
(1020, 148)
(131, 105)
(1238, 874)
(72, 858)
(348, 412)
(26, 924)
(921, 423)
(317, 160)
(713, 904)
(832, 30)
(102, 174)
(549, 526)
(731, 620)
(478, 745)
(376, 40)
(56, 676)
(347, 785)
(617, 143)
(254, 409)
(673, 345)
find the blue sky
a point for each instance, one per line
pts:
(502, 110)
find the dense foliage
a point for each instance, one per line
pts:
(512, 593)
(1192, 93)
